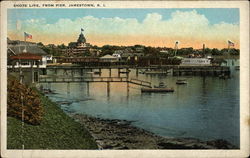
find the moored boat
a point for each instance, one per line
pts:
(161, 85)
(181, 81)
(97, 72)
(154, 90)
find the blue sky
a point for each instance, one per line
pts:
(152, 27)
(214, 15)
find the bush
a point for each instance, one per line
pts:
(19, 96)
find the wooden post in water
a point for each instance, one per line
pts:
(109, 72)
(127, 89)
(88, 88)
(119, 71)
(68, 87)
(127, 70)
(108, 89)
(100, 72)
(137, 72)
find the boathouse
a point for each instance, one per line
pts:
(23, 51)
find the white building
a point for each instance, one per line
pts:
(24, 52)
(195, 61)
(108, 58)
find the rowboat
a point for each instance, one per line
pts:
(181, 82)
(161, 85)
(155, 90)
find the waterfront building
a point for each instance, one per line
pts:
(80, 48)
(195, 61)
(164, 51)
(118, 54)
(24, 54)
(108, 58)
(132, 56)
(139, 48)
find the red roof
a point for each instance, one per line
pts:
(26, 56)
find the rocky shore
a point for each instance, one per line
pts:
(120, 134)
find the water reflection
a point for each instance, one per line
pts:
(205, 108)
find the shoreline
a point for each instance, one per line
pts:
(120, 134)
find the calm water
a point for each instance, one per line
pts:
(206, 108)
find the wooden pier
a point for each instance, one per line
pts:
(201, 70)
(177, 70)
(71, 79)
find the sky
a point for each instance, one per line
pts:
(150, 27)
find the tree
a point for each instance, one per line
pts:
(234, 51)
(72, 44)
(62, 46)
(207, 51)
(40, 44)
(215, 51)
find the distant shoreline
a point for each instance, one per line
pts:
(120, 134)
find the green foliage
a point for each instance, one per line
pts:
(72, 44)
(151, 51)
(62, 46)
(56, 131)
(22, 98)
(185, 51)
(215, 51)
(234, 51)
(207, 51)
(40, 44)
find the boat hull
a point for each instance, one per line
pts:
(155, 90)
(181, 82)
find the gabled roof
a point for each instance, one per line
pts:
(18, 49)
(108, 57)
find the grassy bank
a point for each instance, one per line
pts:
(56, 131)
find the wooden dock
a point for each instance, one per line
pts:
(201, 70)
(75, 79)
(177, 70)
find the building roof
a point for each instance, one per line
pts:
(18, 49)
(81, 39)
(26, 56)
(132, 54)
(108, 57)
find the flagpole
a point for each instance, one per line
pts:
(24, 37)
(25, 42)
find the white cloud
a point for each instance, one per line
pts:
(187, 24)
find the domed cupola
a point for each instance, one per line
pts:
(81, 39)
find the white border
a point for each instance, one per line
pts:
(244, 85)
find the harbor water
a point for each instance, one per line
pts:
(205, 108)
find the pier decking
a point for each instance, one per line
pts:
(70, 79)
(179, 70)
(201, 70)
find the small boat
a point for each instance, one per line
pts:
(48, 91)
(155, 90)
(161, 85)
(97, 72)
(181, 81)
(90, 72)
